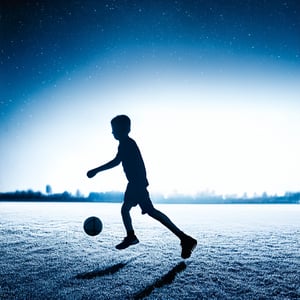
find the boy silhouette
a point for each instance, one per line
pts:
(136, 191)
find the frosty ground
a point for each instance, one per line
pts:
(243, 252)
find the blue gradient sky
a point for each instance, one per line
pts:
(212, 88)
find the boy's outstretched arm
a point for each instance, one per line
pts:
(113, 163)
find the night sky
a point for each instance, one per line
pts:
(67, 67)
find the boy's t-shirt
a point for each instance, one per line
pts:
(132, 162)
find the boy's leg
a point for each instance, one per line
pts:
(130, 239)
(188, 243)
(126, 207)
(162, 218)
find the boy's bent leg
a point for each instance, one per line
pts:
(130, 239)
(126, 217)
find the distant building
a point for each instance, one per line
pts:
(48, 189)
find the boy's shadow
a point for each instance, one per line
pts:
(107, 271)
(166, 279)
(101, 272)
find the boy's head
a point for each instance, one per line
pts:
(120, 126)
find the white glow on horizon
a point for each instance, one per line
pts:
(195, 134)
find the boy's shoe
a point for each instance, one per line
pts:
(128, 241)
(188, 244)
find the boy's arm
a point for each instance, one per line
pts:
(113, 163)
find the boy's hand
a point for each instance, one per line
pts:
(91, 173)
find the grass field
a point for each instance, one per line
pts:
(243, 252)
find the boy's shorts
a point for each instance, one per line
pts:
(138, 195)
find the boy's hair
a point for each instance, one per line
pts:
(122, 123)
